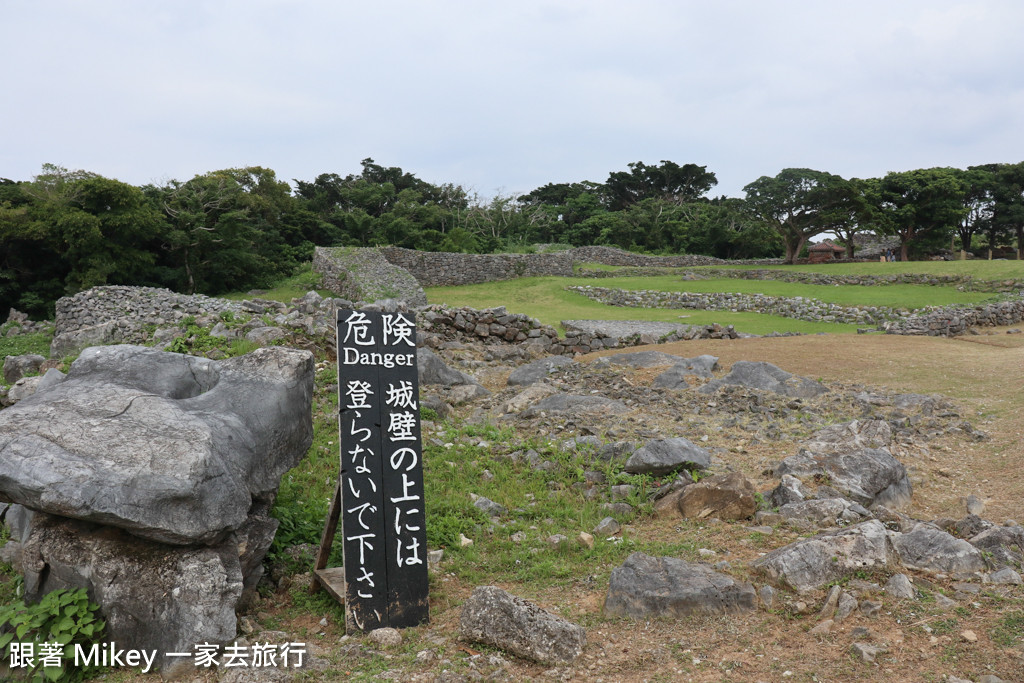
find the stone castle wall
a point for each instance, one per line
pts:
(441, 269)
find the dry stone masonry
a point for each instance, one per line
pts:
(365, 274)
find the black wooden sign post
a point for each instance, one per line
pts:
(381, 484)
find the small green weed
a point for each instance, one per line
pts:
(52, 628)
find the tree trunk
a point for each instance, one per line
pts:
(903, 251)
(793, 249)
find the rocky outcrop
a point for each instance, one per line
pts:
(814, 562)
(496, 618)
(645, 586)
(766, 377)
(160, 444)
(663, 456)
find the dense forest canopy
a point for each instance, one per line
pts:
(235, 229)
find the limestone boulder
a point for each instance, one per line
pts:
(1005, 544)
(594, 406)
(766, 377)
(645, 586)
(153, 596)
(850, 436)
(433, 370)
(675, 377)
(866, 475)
(169, 447)
(814, 562)
(16, 367)
(664, 456)
(534, 372)
(928, 548)
(497, 618)
(726, 496)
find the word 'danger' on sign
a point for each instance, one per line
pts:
(383, 519)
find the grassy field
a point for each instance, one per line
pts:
(981, 270)
(546, 299)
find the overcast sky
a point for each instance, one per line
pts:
(507, 96)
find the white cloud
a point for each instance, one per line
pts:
(510, 95)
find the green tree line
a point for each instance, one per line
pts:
(235, 229)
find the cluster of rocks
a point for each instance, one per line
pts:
(142, 477)
(844, 485)
(799, 308)
(18, 323)
(364, 274)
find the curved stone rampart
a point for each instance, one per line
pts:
(441, 269)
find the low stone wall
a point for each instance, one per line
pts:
(956, 320)
(137, 306)
(963, 282)
(797, 308)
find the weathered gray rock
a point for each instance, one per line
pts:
(675, 377)
(726, 496)
(22, 389)
(850, 436)
(170, 447)
(495, 617)
(766, 377)
(900, 587)
(1004, 544)
(930, 549)
(265, 335)
(70, 342)
(813, 562)
(818, 514)
(487, 506)
(663, 456)
(1005, 576)
(579, 405)
(152, 596)
(537, 370)
(16, 367)
(52, 378)
(789, 490)
(465, 393)
(646, 586)
(867, 475)
(433, 370)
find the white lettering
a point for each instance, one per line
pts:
(387, 360)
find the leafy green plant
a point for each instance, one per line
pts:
(54, 626)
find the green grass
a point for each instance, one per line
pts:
(290, 288)
(978, 269)
(25, 343)
(539, 504)
(546, 299)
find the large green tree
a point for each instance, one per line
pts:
(667, 181)
(794, 203)
(1004, 185)
(924, 204)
